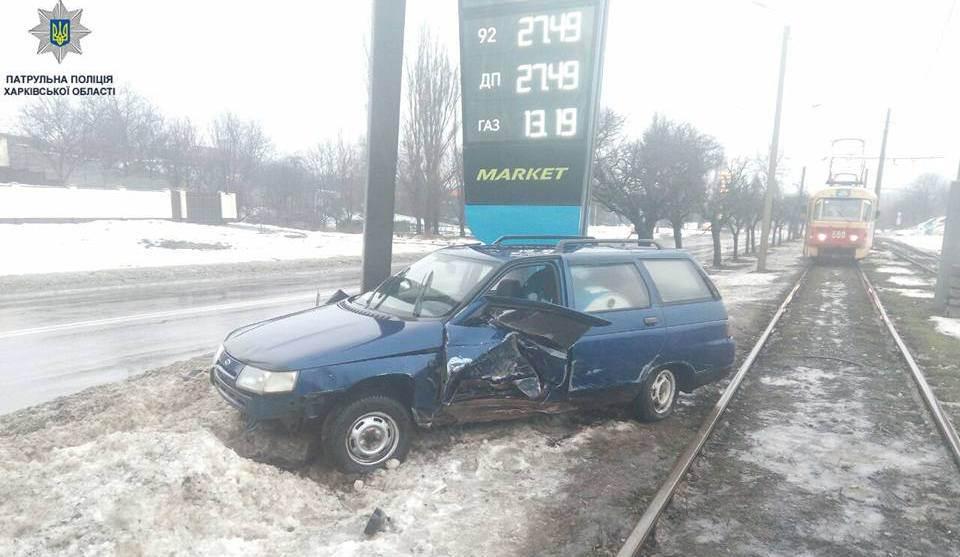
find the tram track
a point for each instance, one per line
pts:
(925, 261)
(662, 498)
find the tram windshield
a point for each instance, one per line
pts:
(844, 210)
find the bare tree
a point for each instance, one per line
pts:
(59, 130)
(340, 168)
(717, 206)
(126, 133)
(179, 154)
(429, 130)
(456, 173)
(924, 198)
(239, 149)
(744, 200)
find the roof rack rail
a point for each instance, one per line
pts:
(562, 245)
(499, 241)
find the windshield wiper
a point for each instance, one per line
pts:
(384, 286)
(423, 288)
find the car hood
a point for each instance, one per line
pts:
(329, 335)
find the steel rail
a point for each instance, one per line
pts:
(662, 498)
(930, 400)
(900, 250)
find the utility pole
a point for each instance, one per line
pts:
(772, 169)
(383, 130)
(883, 158)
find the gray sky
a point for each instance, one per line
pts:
(298, 67)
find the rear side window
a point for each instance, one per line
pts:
(677, 280)
(608, 287)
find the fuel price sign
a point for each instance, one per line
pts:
(530, 72)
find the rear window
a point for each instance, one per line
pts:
(608, 287)
(678, 280)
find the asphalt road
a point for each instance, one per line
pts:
(61, 340)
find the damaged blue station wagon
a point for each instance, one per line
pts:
(484, 332)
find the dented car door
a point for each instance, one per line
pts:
(509, 356)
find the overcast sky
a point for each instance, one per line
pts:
(298, 67)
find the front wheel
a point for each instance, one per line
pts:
(367, 432)
(658, 397)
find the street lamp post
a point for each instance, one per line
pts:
(772, 169)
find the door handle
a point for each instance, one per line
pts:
(649, 321)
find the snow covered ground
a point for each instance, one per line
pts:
(36, 248)
(927, 235)
(152, 466)
(947, 325)
(116, 244)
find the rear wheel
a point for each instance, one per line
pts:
(363, 434)
(659, 396)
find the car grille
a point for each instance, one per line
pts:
(231, 367)
(224, 378)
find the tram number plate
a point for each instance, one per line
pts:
(838, 234)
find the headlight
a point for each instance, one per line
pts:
(216, 357)
(854, 237)
(822, 237)
(261, 381)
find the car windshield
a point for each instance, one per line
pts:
(431, 287)
(846, 210)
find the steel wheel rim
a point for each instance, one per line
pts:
(662, 391)
(372, 438)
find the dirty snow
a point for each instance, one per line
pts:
(744, 286)
(147, 467)
(894, 270)
(115, 244)
(947, 325)
(910, 292)
(910, 281)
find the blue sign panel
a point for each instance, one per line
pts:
(530, 73)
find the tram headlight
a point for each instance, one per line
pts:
(854, 237)
(822, 237)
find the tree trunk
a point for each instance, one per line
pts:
(461, 210)
(736, 244)
(643, 229)
(715, 229)
(677, 234)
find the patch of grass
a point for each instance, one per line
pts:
(180, 244)
(938, 354)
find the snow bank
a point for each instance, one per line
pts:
(114, 244)
(947, 325)
(148, 466)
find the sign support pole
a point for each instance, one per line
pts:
(383, 130)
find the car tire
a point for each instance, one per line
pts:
(364, 433)
(658, 397)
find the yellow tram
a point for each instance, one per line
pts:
(840, 223)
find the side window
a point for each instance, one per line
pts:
(677, 280)
(532, 282)
(608, 287)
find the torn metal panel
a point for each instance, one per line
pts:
(554, 326)
(514, 367)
